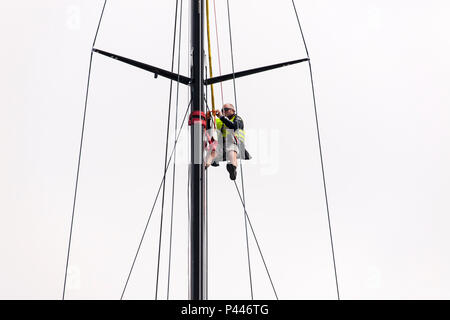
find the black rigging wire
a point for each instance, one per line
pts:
(189, 216)
(175, 154)
(188, 36)
(206, 202)
(167, 148)
(81, 148)
(154, 203)
(320, 150)
(206, 230)
(240, 158)
(256, 239)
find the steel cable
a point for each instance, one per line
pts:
(175, 154)
(240, 157)
(167, 148)
(81, 148)
(320, 151)
(153, 207)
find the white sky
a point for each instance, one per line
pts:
(381, 73)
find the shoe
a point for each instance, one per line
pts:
(215, 164)
(232, 171)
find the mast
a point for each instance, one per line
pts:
(197, 228)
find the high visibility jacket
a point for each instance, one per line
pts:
(235, 125)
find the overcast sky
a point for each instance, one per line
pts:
(381, 72)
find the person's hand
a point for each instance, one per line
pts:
(208, 115)
(219, 114)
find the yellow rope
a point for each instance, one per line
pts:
(210, 63)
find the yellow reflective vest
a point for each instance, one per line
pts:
(238, 133)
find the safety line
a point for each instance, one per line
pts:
(320, 151)
(240, 156)
(81, 148)
(167, 148)
(154, 203)
(175, 154)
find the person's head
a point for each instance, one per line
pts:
(228, 110)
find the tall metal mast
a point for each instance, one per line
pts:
(198, 262)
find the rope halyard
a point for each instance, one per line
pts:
(213, 105)
(218, 50)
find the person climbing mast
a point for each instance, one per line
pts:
(227, 141)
